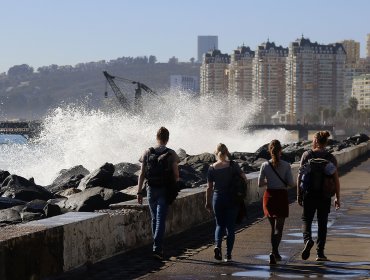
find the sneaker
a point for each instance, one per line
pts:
(218, 255)
(321, 257)
(272, 259)
(228, 258)
(158, 255)
(307, 248)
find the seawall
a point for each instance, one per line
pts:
(37, 249)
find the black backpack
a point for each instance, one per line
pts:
(158, 169)
(314, 175)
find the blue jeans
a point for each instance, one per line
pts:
(158, 210)
(225, 214)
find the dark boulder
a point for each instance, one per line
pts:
(20, 188)
(31, 216)
(3, 175)
(123, 181)
(9, 216)
(263, 152)
(125, 167)
(181, 154)
(68, 178)
(6, 202)
(247, 168)
(95, 199)
(189, 175)
(201, 158)
(35, 206)
(101, 177)
(359, 138)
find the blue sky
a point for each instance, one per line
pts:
(66, 32)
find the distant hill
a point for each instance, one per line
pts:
(29, 94)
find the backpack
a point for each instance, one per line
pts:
(157, 169)
(317, 176)
(238, 185)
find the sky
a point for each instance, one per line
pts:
(67, 32)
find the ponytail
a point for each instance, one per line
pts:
(275, 149)
(222, 152)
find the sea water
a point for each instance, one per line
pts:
(74, 135)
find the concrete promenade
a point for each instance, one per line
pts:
(190, 254)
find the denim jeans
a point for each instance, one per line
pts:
(321, 206)
(158, 210)
(225, 210)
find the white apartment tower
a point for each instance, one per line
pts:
(315, 79)
(205, 44)
(213, 73)
(241, 73)
(361, 91)
(269, 79)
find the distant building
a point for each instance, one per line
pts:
(352, 71)
(315, 79)
(205, 44)
(213, 73)
(352, 50)
(241, 73)
(269, 79)
(184, 83)
(368, 46)
(361, 91)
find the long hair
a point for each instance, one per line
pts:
(274, 150)
(222, 152)
(322, 137)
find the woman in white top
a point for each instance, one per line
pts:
(276, 175)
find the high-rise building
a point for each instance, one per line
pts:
(184, 83)
(352, 50)
(241, 73)
(351, 71)
(269, 79)
(205, 44)
(315, 79)
(361, 91)
(213, 73)
(368, 46)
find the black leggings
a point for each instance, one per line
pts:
(277, 225)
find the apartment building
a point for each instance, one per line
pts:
(214, 73)
(368, 46)
(205, 44)
(314, 79)
(184, 83)
(361, 91)
(268, 83)
(241, 73)
(352, 49)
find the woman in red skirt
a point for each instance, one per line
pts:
(276, 174)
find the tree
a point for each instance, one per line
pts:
(192, 60)
(353, 103)
(20, 70)
(173, 60)
(152, 59)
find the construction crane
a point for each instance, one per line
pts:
(121, 97)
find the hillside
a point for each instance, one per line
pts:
(29, 94)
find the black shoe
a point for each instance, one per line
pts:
(158, 255)
(307, 248)
(321, 257)
(277, 256)
(218, 255)
(272, 259)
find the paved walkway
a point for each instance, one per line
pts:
(348, 246)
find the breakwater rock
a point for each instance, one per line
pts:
(78, 189)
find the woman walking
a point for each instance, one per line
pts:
(224, 206)
(276, 174)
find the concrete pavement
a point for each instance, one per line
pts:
(190, 254)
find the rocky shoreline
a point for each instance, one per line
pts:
(78, 189)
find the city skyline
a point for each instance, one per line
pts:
(41, 33)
